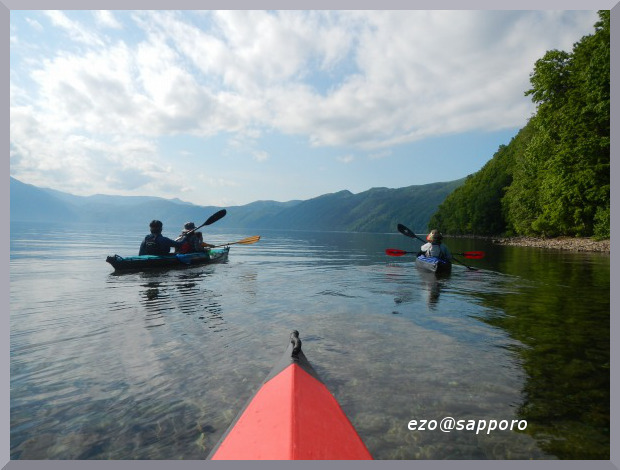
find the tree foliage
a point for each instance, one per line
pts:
(476, 207)
(553, 178)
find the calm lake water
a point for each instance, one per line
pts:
(156, 365)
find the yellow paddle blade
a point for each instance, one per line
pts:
(248, 241)
(245, 241)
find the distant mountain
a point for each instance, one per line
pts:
(375, 210)
(31, 203)
(105, 199)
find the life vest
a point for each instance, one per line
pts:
(435, 251)
(189, 244)
(151, 245)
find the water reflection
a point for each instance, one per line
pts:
(155, 301)
(156, 365)
(564, 332)
(433, 284)
(418, 283)
(163, 300)
(555, 308)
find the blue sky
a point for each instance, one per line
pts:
(228, 107)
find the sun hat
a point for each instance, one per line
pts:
(434, 236)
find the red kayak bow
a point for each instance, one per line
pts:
(293, 416)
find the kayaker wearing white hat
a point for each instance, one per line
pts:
(434, 247)
(190, 242)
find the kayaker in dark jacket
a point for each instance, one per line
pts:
(189, 239)
(434, 247)
(155, 243)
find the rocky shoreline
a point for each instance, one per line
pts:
(560, 243)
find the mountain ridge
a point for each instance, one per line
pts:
(375, 210)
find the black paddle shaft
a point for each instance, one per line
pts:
(405, 231)
(214, 218)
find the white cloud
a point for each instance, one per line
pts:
(345, 158)
(365, 80)
(427, 73)
(416, 73)
(34, 24)
(75, 30)
(260, 155)
(107, 19)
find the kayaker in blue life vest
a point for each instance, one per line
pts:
(434, 247)
(189, 239)
(155, 243)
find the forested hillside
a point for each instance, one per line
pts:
(553, 178)
(375, 210)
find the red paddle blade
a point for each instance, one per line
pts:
(473, 254)
(395, 252)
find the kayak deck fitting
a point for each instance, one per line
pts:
(179, 260)
(293, 416)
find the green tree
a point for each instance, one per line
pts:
(561, 183)
(553, 178)
(477, 206)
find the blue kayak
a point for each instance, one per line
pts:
(433, 264)
(140, 263)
